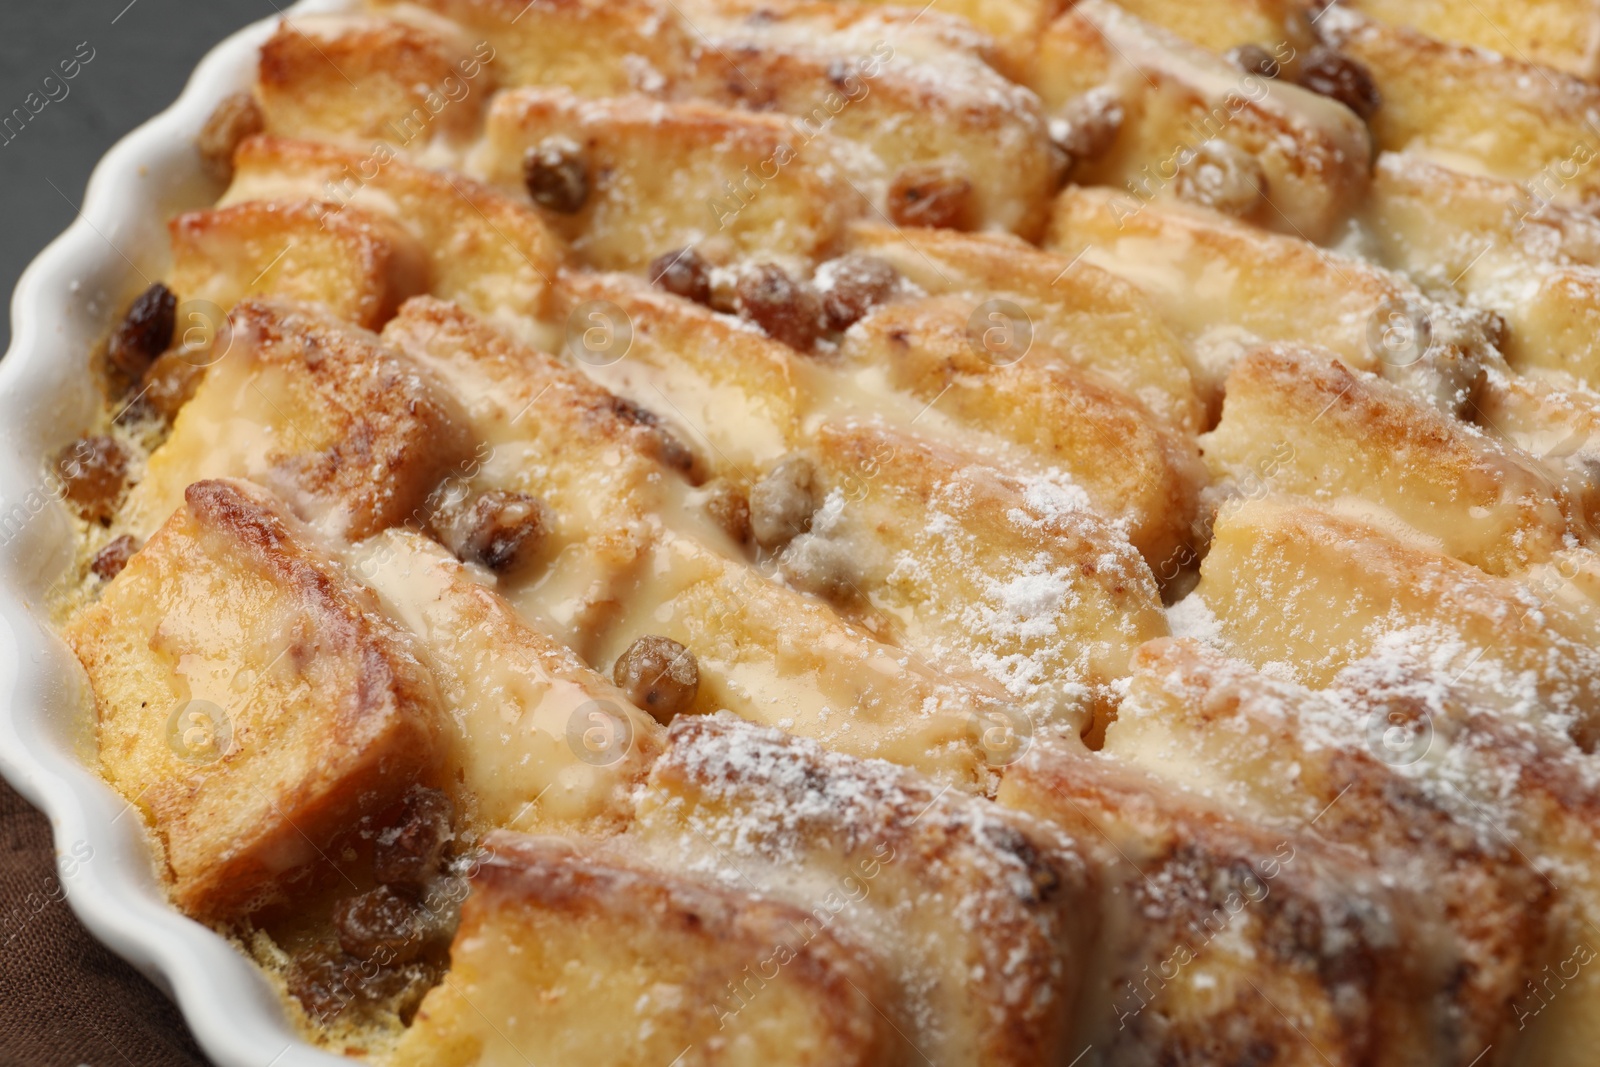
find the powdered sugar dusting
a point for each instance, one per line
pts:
(944, 887)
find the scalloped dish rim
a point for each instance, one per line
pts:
(62, 306)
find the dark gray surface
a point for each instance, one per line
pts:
(141, 55)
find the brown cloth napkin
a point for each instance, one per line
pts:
(65, 999)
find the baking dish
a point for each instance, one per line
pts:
(63, 304)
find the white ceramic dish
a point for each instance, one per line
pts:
(63, 304)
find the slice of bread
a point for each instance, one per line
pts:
(252, 703)
(352, 433)
(570, 954)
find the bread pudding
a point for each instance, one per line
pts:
(798, 532)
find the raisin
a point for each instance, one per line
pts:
(858, 283)
(507, 529)
(92, 472)
(237, 117)
(557, 175)
(324, 985)
(683, 273)
(822, 565)
(724, 292)
(671, 452)
(144, 332)
(663, 443)
(109, 561)
(326, 981)
(1223, 177)
(782, 502)
(636, 414)
(729, 508)
(1040, 879)
(786, 310)
(1088, 126)
(658, 675)
(409, 853)
(931, 197)
(380, 925)
(1335, 75)
(501, 530)
(168, 385)
(1253, 59)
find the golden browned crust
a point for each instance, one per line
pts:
(1556, 424)
(1090, 317)
(586, 45)
(1219, 25)
(1065, 418)
(1276, 288)
(601, 960)
(359, 266)
(514, 695)
(353, 433)
(704, 371)
(360, 79)
(947, 548)
(1310, 157)
(1228, 942)
(1227, 287)
(666, 175)
(1299, 759)
(1300, 423)
(596, 459)
(251, 702)
(1502, 114)
(770, 652)
(980, 916)
(1321, 592)
(488, 251)
(968, 123)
